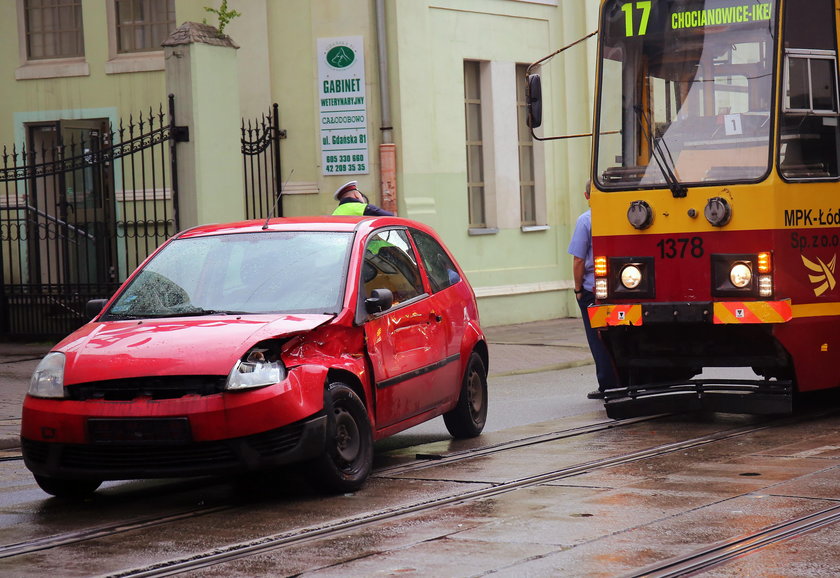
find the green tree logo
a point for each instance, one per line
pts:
(340, 56)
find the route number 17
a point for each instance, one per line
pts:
(644, 7)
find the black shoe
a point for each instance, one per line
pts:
(597, 394)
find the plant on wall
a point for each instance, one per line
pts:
(224, 15)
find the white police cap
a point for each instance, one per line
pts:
(345, 187)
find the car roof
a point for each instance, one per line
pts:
(311, 223)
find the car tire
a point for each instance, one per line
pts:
(67, 489)
(348, 455)
(468, 417)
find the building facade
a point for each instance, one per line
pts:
(420, 101)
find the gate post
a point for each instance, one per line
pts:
(201, 72)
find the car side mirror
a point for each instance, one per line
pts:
(94, 307)
(533, 100)
(379, 300)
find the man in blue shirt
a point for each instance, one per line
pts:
(583, 270)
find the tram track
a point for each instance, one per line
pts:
(423, 461)
(336, 528)
(727, 550)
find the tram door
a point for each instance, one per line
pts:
(71, 220)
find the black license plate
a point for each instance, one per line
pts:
(139, 431)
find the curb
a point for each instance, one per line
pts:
(553, 367)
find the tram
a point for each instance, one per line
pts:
(716, 202)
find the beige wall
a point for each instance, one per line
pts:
(518, 275)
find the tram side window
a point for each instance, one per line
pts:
(809, 132)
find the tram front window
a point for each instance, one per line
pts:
(685, 92)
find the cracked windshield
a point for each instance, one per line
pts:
(272, 272)
(686, 91)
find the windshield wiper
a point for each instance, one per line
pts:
(195, 312)
(656, 143)
(192, 312)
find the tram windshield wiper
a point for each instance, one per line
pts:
(664, 163)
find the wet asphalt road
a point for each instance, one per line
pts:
(556, 492)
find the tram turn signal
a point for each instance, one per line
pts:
(600, 266)
(764, 262)
(601, 277)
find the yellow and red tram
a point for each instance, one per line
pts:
(716, 201)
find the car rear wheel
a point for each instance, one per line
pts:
(67, 489)
(348, 456)
(468, 417)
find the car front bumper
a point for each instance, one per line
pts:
(185, 436)
(162, 459)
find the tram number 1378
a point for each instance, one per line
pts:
(680, 248)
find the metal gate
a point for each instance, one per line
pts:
(261, 161)
(81, 205)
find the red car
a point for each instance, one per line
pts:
(256, 344)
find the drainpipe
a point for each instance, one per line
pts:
(387, 148)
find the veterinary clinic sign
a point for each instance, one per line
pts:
(343, 107)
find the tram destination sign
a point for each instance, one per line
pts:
(342, 106)
(641, 16)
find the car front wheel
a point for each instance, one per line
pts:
(467, 419)
(348, 456)
(67, 489)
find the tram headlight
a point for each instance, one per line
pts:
(630, 276)
(765, 285)
(740, 275)
(601, 288)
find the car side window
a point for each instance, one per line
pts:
(390, 263)
(442, 271)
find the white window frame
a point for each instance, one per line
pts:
(500, 130)
(126, 62)
(45, 67)
(475, 228)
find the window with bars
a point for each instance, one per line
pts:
(141, 25)
(527, 184)
(53, 29)
(475, 144)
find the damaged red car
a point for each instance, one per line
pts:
(252, 345)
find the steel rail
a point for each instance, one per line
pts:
(727, 550)
(67, 538)
(433, 460)
(103, 531)
(299, 536)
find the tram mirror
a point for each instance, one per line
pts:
(534, 100)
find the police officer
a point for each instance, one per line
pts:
(352, 202)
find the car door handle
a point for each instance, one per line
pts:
(434, 316)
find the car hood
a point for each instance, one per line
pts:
(172, 346)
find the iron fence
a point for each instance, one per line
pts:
(261, 162)
(81, 205)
